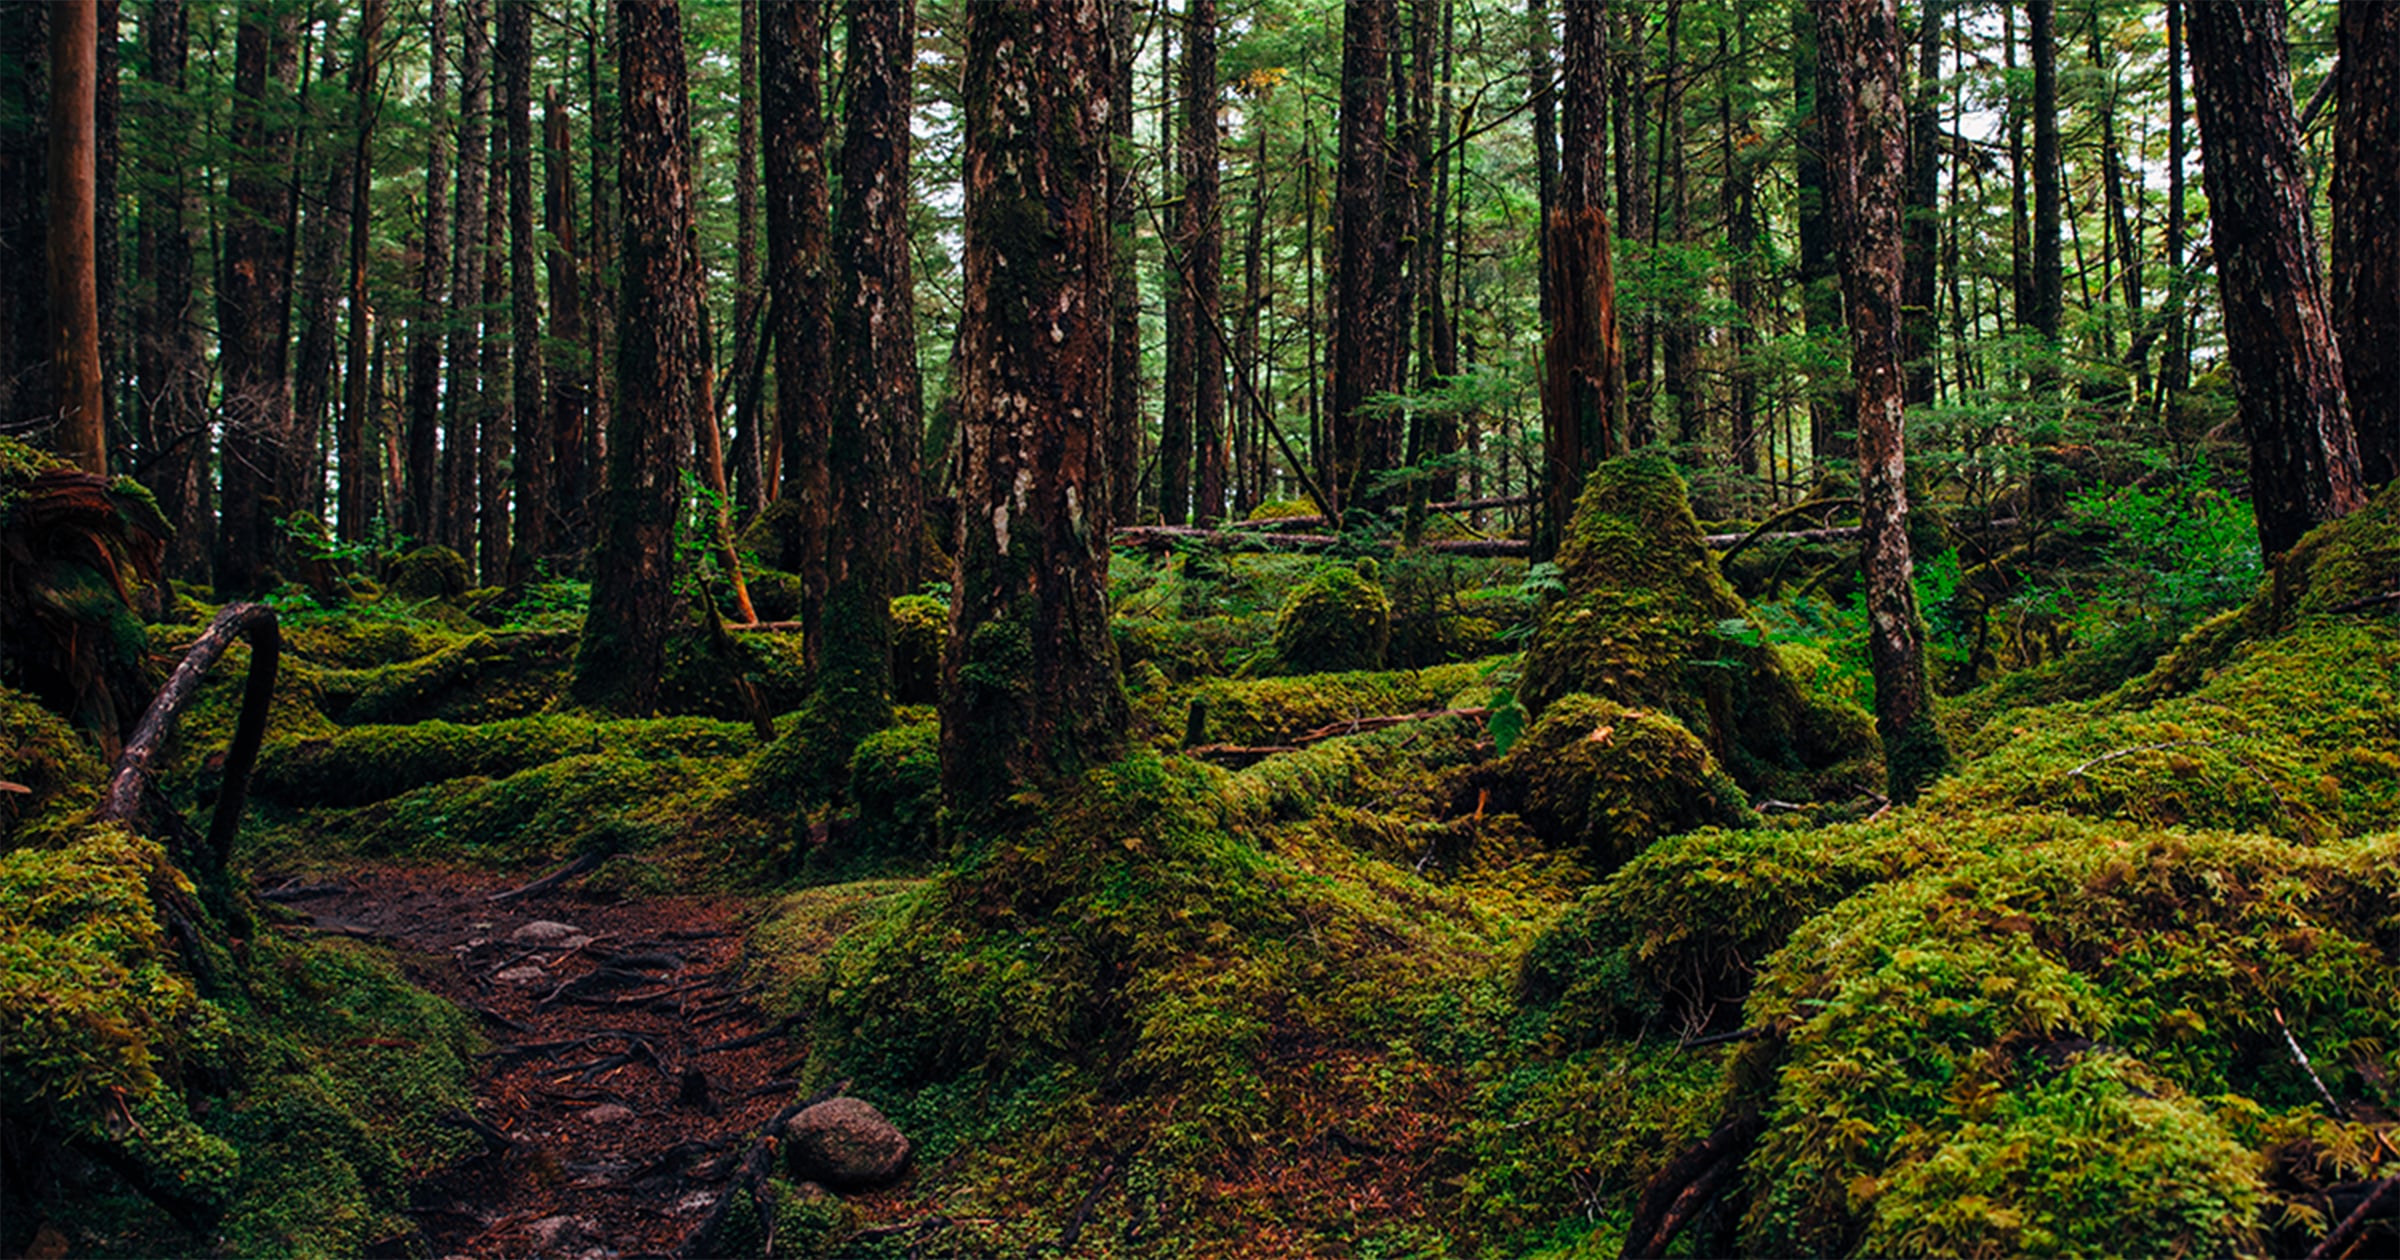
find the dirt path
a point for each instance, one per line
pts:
(626, 1062)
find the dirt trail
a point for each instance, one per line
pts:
(626, 1064)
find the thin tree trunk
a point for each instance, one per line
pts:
(361, 469)
(2175, 371)
(1125, 339)
(420, 516)
(1742, 234)
(1637, 218)
(1203, 233)
(1920, 226)
(747, 446)
(570, 391)
(1680, 333)
(791, 52)
(1866, 150)
(107, 229)
(1832, 407)
(2287, 371)
(492, 440)
(1030, 692)
(27, 399)
(464, 404)
(73, 255)
(174, 380)
(623, 650)
(1582, 413)
(2043, 296)
(2366, 231)
(1249, 480)
(1174, 462)
(533, 466)
(254, 293)
(324, 236)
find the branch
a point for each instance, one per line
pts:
(136, 764)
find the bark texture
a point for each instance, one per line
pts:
(569, 363)
(534, 464)
(791, 43)
(2287, 372)
(2366, 230)
(167, 352)
(463, 404)
(1370, 333)
(73, 256)
(1030, 691)
(1582, 396)
(1201, 230)
(361, 470)
(254, 295)
(421, 504)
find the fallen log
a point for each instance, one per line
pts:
(1159, 538)
(136, 764)
(1246, 754)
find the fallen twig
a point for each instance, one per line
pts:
(2300, 1057)
(2338, 1242)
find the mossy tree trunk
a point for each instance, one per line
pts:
(533, 467)
(1583, 405)
(73, 254)
(2366, 230)
(791, 52)
(1370, 334)
(254, 295)
(1866, 154)
(2278, 331)
(167, 352)
(1029, 683)
(872, 547)
(623, 651)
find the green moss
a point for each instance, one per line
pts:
(1274, 710)
(432, 572)
(1612, 780)
(920, 623)
(480, 678)
(362, 764)
(52, 773)
(896, 783)
(1338, 620)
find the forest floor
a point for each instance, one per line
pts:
(627, 1060)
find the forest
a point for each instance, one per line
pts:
(1153, 628)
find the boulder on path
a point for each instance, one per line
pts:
(544, 932)
(846, 1144)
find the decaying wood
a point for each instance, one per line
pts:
(2338, 1242)
(135, 765)
(1688, 1183)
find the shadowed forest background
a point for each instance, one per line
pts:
(1386, 628)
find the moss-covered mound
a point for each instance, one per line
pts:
(49, 771)
(1647, 621)
(1612, 780)
(1275, 710)
(362, 764)
(919, 625)
(431, 572)
(1338, 620)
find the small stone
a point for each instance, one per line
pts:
(573, 943)
(544, 932)
(846, 1144)
(562, 1233)
(523, 973)
(609, 1113)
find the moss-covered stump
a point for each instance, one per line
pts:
(1647, 621)
(1338, 620)
(1611, 780)
(919, 623)
(431, 572)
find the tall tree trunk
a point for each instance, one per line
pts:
(1174, 474)
(2287, 372)
(2175, 368)
(174, 380)
(492, 440)
(1540, 72)
(1920, 227)
(1739, 200)
(659, 357)
(569, 365)
(27, 398)
(1370, 349)
(73, 254)
(600, 334)
(1125, 338)
(107, 229)
(324, 236)
(878, 523)
(1030, 692)
(533, 466)
(1637, 218)
(2020, 226)
(464, 404)
(1582, 406)
(2046, 283)
(1202, 230)
(420, 515)
(1866, 151)
(791, 55)
(2366, 230)
(747, 446)
(361, 468)
(1248, 480)
(1680, 331)
(1831, 408)
(254, 295)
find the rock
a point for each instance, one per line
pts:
(523, 973)
(545, 932)
(846, 1144)
(562, 1233)
(609, 1113)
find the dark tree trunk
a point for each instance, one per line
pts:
(569, 364)
(1248, 479)
(2046, 283)
(1866, 153)
(748, 494)
(2366, 230)
(361, 464)
(174, 379)
(533, 466)
(1203, 234)
(26, 398)
(1921, 228)
(463, 406)
(1582, 403)
(1029, 686)
(1174, 476)
(2020, 228)
(1370, 347)
(324, 234)
(254, 296)
(74, 282)
(1125, 339)
(2287, 372)
(2175, 368)
(1831, 407)
(1742, 237)
(877, 518)
(492, 440)
(623, 651)
(1540, 71)
(107, 227)
(1679, 338)
(420, 514)
(1637, 217)
(791, 52)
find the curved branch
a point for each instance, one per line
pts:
(135, 765)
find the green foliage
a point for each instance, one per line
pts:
(1338, 620)
(919, 624)
(429, 572)
(52, 773)
(1613, 780)
(362, 764)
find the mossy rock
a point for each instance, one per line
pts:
(47, 766)
(920, 626)
(1648, 622)
(896, 798)
(773, 535)
(1338, 620)
(1611, 780)
(429, 572)
(774, 594)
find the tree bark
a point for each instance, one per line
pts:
(1125, 338)
(1202, 230)
(420, 511)
(492, 438)
(26, 397)
(1174, 475)
(1831, 406)
(623, 651)
(2046, 282)
(1370, 348)
(791, 51)
(361, 467)
(1583, 405)
(1030, 692)
(463, 405)
(324, 233)
(168, 356)
(534, 463)
(2366, 230)
(1866, 151)
(1920, 228)
(747, 443)
(254, 295)
(2287, 372)
(569, 366)
(73, 254)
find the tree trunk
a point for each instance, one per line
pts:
(254, 294)
(1866, 152)
(107, 226)
(492, 439)
(420, 515)
(877, 517)
(623, 651)
(1739, 200)
(1125, 338)
(324, 236)
(1582, 407)
(1680, 333)
(1370, 349)
(463, 405)
(569, 365)
(26, 397)
(2366, 230)
(1030, 692)
(791, 52)
(1202, 230)
(1249, 479)
(174, 379)
(534, 463)
(2046, 283)
(361, 467)
(73, 254)
(1920, 228)
(747, 446)
(1831, 406)
(2304, 467)
(2175, 368)
(1637, 217)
